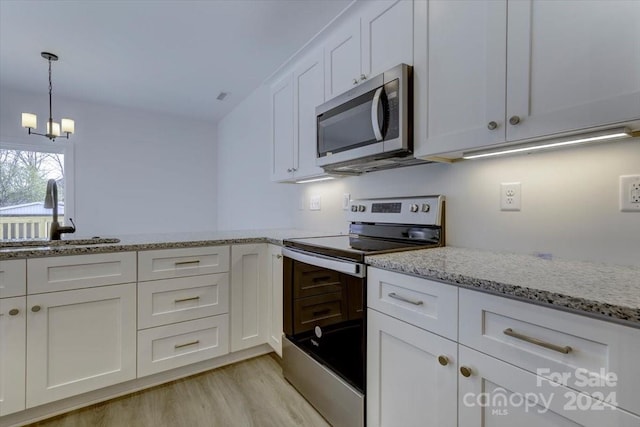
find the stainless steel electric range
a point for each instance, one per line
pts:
(324, 349)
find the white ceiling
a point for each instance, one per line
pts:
(163, 55)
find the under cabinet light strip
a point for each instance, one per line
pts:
(615, 134)
(324, 178)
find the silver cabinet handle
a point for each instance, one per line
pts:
(401, 298)
(492, 125)
(183, 263)
(187, 299)
(560, 349)
(278, 256)
(177, 346)
(14, 312)
(355, 82)
(363, 77)
(36, 308)
(289, 170)
(514, 120)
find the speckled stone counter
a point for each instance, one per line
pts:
(605, 291)
(141, 242)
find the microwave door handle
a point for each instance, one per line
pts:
(374, 114)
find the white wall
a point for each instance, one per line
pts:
(135, 171)
(247, 197)
(569, 201)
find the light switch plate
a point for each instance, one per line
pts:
(346, 198)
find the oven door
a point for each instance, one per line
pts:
(324, 323)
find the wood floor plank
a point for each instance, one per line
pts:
(252, 393)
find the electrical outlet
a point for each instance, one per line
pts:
(510, 196)
(346, 198)
(314, 203)
(630, 193)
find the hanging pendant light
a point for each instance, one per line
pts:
(54, 130)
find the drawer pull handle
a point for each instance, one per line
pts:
(36, 308)
(320, 312)
(401, 298)
(560, 349)
(443, 360)
(187, 299)
(183, 263)
(321, 279)
(465, 371)
(177, 346)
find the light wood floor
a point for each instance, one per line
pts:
(252, 393)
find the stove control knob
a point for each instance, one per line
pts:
(414, 208)
(354, 208)
(362, 208)
(426, 207)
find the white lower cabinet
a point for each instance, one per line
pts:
(180, 344)
(504, 365)
(498, 394)
(274, 294)
(12, 354)
(248, 295)
(79, 340)
(411, 375)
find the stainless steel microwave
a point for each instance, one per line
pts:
(370, 123)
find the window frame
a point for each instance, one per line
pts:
(65, 148)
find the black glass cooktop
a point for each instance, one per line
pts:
(352, 247)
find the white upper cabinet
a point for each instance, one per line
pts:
(504, 71)
(379, 37)
(466, 49)
(342, 58)
(282, 129)
(308, 81)
(387, 35)
(572, 65)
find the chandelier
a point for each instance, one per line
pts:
(30, 121)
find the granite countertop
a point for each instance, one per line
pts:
(605, 291)
(141, 242)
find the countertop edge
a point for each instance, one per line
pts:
(627, 316)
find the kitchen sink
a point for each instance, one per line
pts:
(32, 243)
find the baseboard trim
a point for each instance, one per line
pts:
(52, 409)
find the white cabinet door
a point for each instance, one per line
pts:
(572, 65)
(275, 298)
(342, 60)
(12, 354)
(308, 79)
(248, 296)
(406, 383)
(79, 341)
(282, 129)
(387, 35)
(466, 50)
(498, 394)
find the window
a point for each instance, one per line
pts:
(24, 172)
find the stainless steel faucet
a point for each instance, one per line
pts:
(51, 201)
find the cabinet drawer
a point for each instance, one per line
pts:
(424, 303)
(161, 302)
(13, 278)
(554, 344)
(172, 346)
(172, 263)
(321, 310)
(80, 271)
(309, 280)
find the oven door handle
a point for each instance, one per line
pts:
(351, 268)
